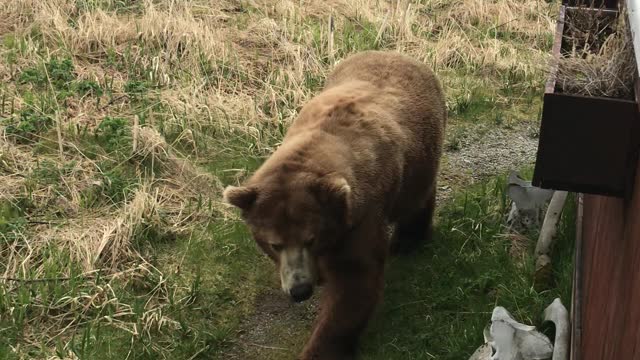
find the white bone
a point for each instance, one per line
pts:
(515, 179)
(550, 224)
(484, 352)
(528, 196)
(528, 201)
(515, 341)
(558, 314)
(547, 236)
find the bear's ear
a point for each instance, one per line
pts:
(335, 190)
(240, 196)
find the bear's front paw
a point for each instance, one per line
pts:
(326, 353)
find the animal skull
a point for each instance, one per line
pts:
(528, 202)
(507, 339)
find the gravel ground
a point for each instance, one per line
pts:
(496, 151)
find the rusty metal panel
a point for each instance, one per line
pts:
(602, 243)
(630, 339)
(609, 300)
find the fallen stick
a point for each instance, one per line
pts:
(547, 237)
(550, 224)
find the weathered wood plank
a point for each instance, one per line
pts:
(631, 337)
(610, 301)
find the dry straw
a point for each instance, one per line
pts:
(260, 68)
(598, 59)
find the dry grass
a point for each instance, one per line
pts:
(277, 47)
(599, 59)
(89, 255)
(184, 86)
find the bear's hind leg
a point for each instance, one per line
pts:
(413, 231)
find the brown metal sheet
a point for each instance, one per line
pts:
(610, 279)
(630, 338)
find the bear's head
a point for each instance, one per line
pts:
(295, 220)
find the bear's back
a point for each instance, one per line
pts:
(415, 100)
(420, 95)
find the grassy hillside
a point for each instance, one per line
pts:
(122, 120)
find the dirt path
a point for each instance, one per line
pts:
(276, 329)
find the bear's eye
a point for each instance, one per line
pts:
(277, 247)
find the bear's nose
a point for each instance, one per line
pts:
(301, 292)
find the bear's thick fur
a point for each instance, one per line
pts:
(362, 154)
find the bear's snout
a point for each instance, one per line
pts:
(297, 273)
(301, 292)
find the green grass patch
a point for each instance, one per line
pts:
(350, 35)
(117, 6)
(27, 125)
(203, 282)
(473, 105)
(226, 273)
(58, 72)
(115, 186)
(438, 301)
(88, 87)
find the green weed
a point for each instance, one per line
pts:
(12, 221)
(88, 87)
(117, 6)
(47, 173)
(27, 126)
(350, 35)
(438, 301)
(358, 35)
(113, 187)
(472, 106)
(114, 134)
(136, 89)
(55, 71)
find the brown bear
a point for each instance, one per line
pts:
(362, 155)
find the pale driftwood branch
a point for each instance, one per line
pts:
(546, 238)
(558, 314)
(59, 134)
(550, 224)
(136, 128)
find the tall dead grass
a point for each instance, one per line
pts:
(271, 49)
(89, 254)
(218, 72)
